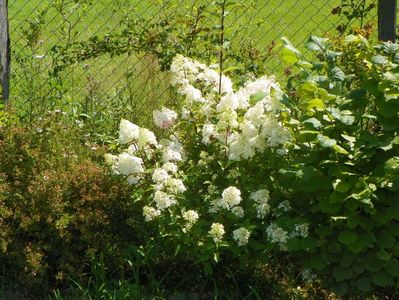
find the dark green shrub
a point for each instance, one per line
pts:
(344, 170)
(59, 208)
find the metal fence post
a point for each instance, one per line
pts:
(4, 51)
(387, 20)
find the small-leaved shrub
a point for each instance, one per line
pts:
(59, 208)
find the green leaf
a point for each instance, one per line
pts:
(315, 103)
(340, 273)
(294, 244)
(347, 237)
(307, 135)
(352, 221)
(316, 44)
(363, 284)
(392, 165)
(334, 247)
(351, 139)
(325, 141)
(342, 186)
(337, 74)
(340, 150)
(255, 98)
(316, 262)
(392, 267)
(382, 279)
(385, 239)
(314, 122)
(289, 54)
(323, 231)
(340, 288)
(329, 208)
(336, 197)
(383, 255)
(379, 60)
(372, 263)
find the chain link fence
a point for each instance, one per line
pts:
(105, 58)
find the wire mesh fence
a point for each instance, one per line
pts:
(105, 58)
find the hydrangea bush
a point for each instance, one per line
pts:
(210, 188)
(250, 170)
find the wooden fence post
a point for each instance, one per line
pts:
(387, 20)
(4, 52)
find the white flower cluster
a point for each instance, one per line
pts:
(241, 236)
(164, 118)
(283, 207)
(150, 213)
(191, 217)
(128, 163)
(217, 232)
(261, 199)
(172, 150)
(235, 124)
(246, 121)
(167, 186)
(277, 235)
(300, 230)
(231, 197)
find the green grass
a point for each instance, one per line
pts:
(134, 82)
(131, 86)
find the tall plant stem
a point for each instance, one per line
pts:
(221, 50)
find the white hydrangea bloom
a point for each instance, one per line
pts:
(164, 118)
(170, 167)
(227, 120)
(110, 159)
(160, 175)
(261, 199)
(241, 149)
(284, 206)
(191, 216)
(172, 150)
(146, 137)
(150, 213)
(175, 186)
(260, 196)
(210, 77)
(231, 196)
(207, 132)
(217, 232)
(128, 132)
(131, 179)
(128, 164)
(256, 114)
(192, 94)
(277, 235)
(241, 236)
(243, 98)
(300, 230)
(226, 85)
(238, 211)
(249, 130)
(228, 101)
(163, 200)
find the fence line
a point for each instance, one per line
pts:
(84, 56)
